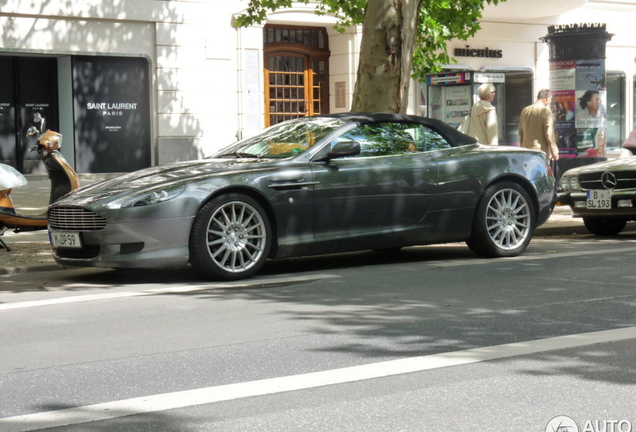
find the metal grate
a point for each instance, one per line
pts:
(75, 219)
(624, 180)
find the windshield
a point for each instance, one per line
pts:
(283, 140)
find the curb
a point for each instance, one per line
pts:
(9, 271)
(565, 230)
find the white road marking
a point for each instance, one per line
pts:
(189, 398)
(168, 290)
(530, 257)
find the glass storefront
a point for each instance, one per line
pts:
(513, 93)
(615, 133)
(108, 109)
(29, 86)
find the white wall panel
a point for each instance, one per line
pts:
(70, 36)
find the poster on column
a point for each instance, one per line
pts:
(562, 84)
(591, 100)
(112, 114)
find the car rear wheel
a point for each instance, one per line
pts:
(504, 221)
(604, 227)
(230, 237)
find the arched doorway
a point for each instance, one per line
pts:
(296, 72)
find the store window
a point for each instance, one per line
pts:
(518, 95)
(29, 86)
(615, 133)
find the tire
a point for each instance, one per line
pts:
(230, 237)
(504, 221)
(604, 227)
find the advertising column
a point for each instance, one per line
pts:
(577, 81)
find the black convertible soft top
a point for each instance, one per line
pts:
(455, 137)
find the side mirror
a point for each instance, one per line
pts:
(338, 150)
(344, 148)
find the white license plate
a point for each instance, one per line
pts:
(65, 240)
(599, 199)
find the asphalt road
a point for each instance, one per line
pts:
(425, 339)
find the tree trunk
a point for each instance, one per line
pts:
(386, 56)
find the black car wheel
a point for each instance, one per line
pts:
(504, 221)
(230, 237)
(604, 227)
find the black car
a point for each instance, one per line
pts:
(315, 185)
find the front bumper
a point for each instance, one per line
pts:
(623, 205)
(131, 244)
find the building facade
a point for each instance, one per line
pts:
(146, 82)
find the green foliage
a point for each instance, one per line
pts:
(348, 12)
(439, 22)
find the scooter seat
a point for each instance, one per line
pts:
(24, 222)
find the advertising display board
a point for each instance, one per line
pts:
(37, 93)
(449, 96)
(112, 114)
(7, 113)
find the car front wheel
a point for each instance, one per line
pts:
(604, 227)
(504, 221)
(230, 237)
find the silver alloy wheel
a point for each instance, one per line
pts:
(508, 219)
(236, 236)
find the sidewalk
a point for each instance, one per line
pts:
(31, 251)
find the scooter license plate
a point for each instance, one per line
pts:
(65, 240)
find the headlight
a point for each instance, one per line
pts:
(565, 184)
(570, 183)
(147, 197)
(574, 183)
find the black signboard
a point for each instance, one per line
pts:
(7, 112)
(37, 93)
(112, 114)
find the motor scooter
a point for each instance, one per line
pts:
(63, 180)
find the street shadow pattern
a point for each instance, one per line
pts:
(436, 314)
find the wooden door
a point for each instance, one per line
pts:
(296, 73)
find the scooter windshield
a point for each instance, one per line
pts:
(10, 177)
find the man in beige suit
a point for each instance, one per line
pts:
(536, 127)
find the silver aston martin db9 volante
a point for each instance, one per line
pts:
(314, 185)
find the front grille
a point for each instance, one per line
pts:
(86, 252)
(624, 180)
(75, 219)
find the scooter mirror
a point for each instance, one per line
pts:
(37, 117)
(32, 131)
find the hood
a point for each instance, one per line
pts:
(621, 164)
(157, 177)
